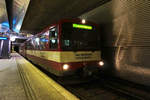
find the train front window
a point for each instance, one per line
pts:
(79, 37)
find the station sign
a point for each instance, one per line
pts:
(3, 38)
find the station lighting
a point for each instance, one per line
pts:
(65, 67)
(83, 21)
(13, 38)
(18, 27)
(37, 39)
(101, 63)
(53, 41)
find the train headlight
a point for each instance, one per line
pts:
(101, 63)
(66, 67)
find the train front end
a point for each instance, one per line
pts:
(80, 48)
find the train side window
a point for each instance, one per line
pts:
(37, 43)
(29, 46)
(43, 41)
(33, 44)
(53, 37)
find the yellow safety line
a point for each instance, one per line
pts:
(59, 88)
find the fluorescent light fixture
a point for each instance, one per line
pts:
(82, 26)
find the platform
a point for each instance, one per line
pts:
(11, 87)
(20, 80)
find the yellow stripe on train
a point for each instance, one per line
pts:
(67, 56)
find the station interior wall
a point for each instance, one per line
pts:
(126, 40)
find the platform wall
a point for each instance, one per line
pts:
(126, 40)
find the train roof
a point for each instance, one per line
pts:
(77, 20)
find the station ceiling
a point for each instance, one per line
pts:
(4, 25)
(42, 13)
(31, 16)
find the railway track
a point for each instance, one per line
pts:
(131, 89)
(103, 88)
(106, 90)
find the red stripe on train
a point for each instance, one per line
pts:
(58, 66)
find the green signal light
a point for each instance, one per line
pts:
(82, 26)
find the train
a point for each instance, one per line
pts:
(68, 47)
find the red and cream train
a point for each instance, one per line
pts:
(66, 48)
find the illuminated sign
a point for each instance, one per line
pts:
(3, 38)
(82, 26)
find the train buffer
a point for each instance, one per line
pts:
(20, 80)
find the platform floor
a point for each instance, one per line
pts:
(20, 80)
(11, 87)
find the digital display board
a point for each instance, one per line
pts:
(81, 26)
